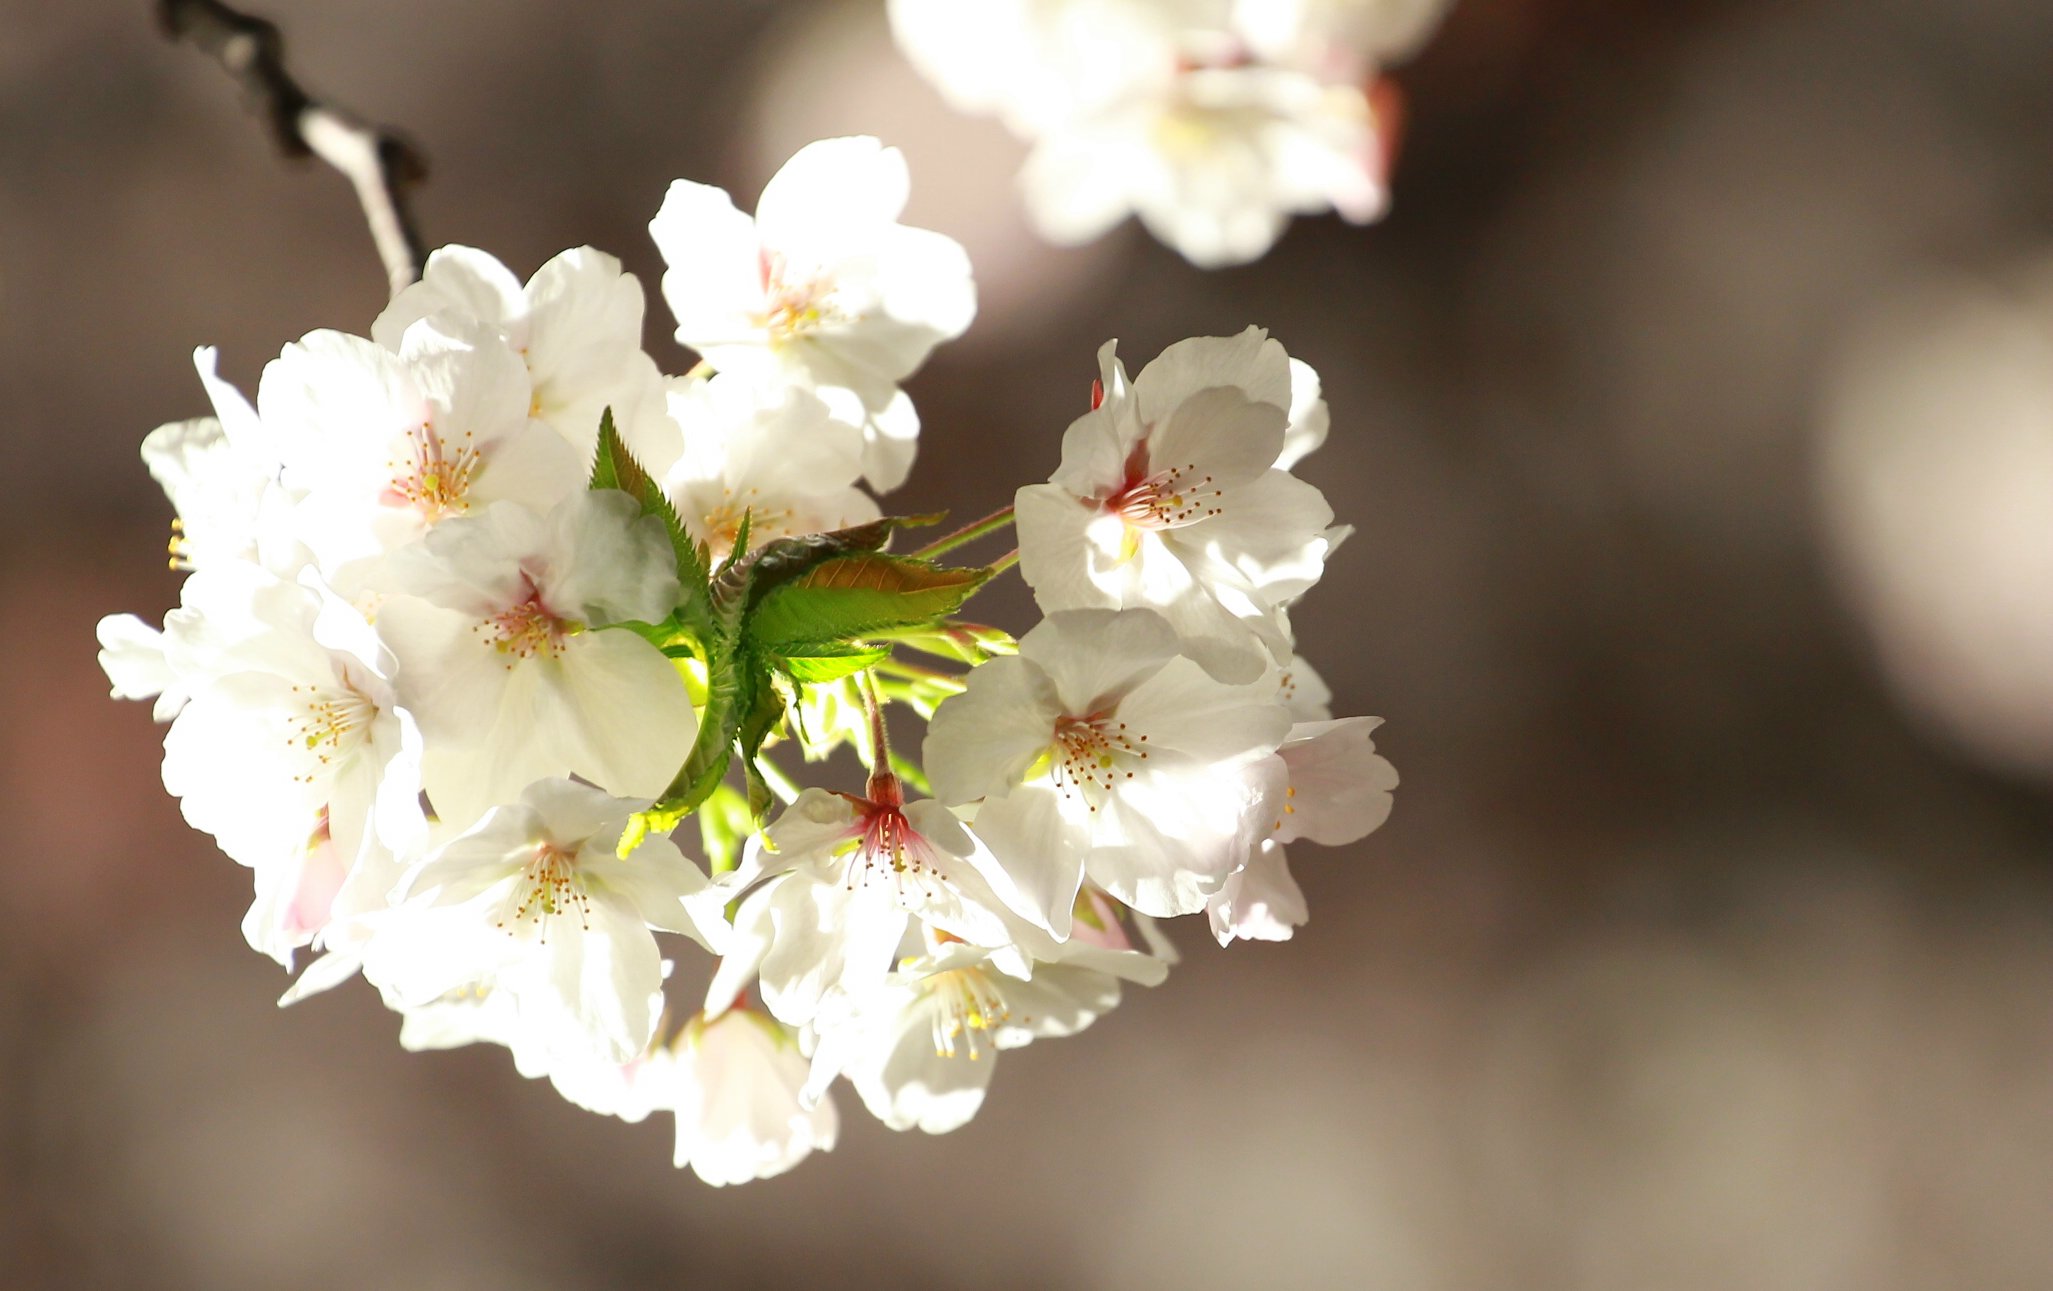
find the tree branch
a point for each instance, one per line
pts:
(378, 164)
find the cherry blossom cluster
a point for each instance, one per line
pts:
(1214, 121)
(482, 608)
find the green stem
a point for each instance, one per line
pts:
(882, 786)
(968, 533)
(780, 784)
(916, 672)
(1003, 563)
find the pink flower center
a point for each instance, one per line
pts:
(430, 476)
(527, 628)
(1163, 499)
(889, 850)
(791, 304)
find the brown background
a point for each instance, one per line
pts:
(1708, 946)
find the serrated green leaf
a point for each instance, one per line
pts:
(829, 663)
(857, 595)
(614, 467)
(742, 702)
(739, 548)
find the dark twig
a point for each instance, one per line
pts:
(378, 164)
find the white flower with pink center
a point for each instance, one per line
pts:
(1168, 498)
(1100, 750)
(504, 662)
(842, 878)
(576, 325)
(381, 445)
(770, 453)
(823, 288)
(534, 902)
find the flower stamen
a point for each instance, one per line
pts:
(550, 885)
(967, 1008)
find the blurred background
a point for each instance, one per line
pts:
(1694, 408)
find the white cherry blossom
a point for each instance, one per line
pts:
(534, 901)
(221, 478)
(1334, 789)
(296, 757)
(221, 474)
(1347, 38)
(843, 877)
(1214, 121)
(506, 667)
(920, 1044)
(1100, 750)
(132, 656)
(1215, 161)
(1309, 419)
(734, 1083)
(577, 325)
(769, 452)
(380, 445)
(1036, 64)
(823, 288)
(1168, 498)
(481, 1012)
(1261, 902)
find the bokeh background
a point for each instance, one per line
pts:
(1695, 411)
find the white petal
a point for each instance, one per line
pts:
(1340, 787)
(1260, 903)
(1039, 855)
(1250, 361)
(984, 739)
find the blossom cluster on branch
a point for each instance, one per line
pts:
(1213, 121)
(482, 607)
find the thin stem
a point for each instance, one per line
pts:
(968, 533)
(780, 784)
(880, 734)
(1003, 563)
(378, 164)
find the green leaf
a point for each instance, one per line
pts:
(858, 595)
(739, 548)
(743, 704)
(829, 663)
(970, 643)
(764, 713)
(613, 467)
